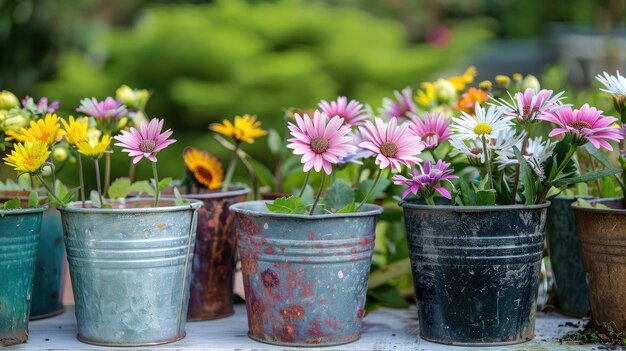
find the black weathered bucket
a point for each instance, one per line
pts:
(476, 271)
(567, 264)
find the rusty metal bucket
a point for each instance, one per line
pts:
(476, 271)
(602, 235)
(212, 275)
(305, 277)
(130, 269)
(19, 238)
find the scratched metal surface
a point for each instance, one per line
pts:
(384, 329)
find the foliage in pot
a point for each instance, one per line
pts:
(468, 259)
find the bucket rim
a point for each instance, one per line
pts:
(233, 191)
(576, 207)
(369, 210)
(451, 208)
(21, 211)
(193, 205)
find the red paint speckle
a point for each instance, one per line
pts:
(353, 250)
(364, 241)
(323, 301)
(270, 278)
(269, 250)
(311, 236)
(359, 313)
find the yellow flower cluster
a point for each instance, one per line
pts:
(245, 128)
(444, 90)
(46, 130)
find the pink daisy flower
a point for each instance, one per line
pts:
(531, 104)
(433, 128)
(146, 141)
(427, 181)
(401, 107)
(392, 144)
(586, 124)
(321, 141)
(352, 112)
(107, 109)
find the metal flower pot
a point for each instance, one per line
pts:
(305, 277)
(212, 275)
(569, 274)
(602, 235)
(47, 299)
(130, 269)
(19, 238)
(476, 271)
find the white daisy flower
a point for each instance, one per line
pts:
(615, 85)
(474, 149)
(538, 150)
(487, 123)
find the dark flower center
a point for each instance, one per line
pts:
(204, 173)
(388, 149)
(476, 150)
(147, 146)
(579, 125)
(319, 145)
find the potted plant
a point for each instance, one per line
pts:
(212, 278)
(130, 259)
(19, 241)
(476, 261)
(601, 232)
(306, 258)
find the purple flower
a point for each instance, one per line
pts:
(426, 182)
(146, 141)
(42, 106)
(107, 109)
(393, 145)
(401, 107)
(352, 112)
(531, 104)
(433, 129)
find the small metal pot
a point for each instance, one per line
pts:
(476, 271)
(569, 275)
(19, 238)
(212, 275)
(130, 268)
(305, 277)
(602, 235)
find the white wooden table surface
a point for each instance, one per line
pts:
(384, 329)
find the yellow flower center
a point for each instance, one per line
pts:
(30, 160)
(482, 129)
(319, 144)
(579, 125)
(44, 137)
(147, 146)
(388, 149)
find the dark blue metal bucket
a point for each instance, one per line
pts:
(305, 277)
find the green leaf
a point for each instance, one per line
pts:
(164, 183)
(53, 201)
(33, 199)
(583, 203)
(552, 164)
(467, 193)
(485, 197)
(349, 208)
(142, 186)
(308, 196)
(528, 178)
(607, 186)
(263, 174)
(179, 201)
(388, 296)
(597, 154)
(120, 188)
(12, 204)
(95, 199)
(274, 141)
(338, 195)
(589, 176)
(366, 185)
(291, 205)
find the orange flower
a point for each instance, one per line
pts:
(470, 98)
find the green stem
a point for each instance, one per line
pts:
(487, 162)
(98, 180)
(156, 184)
(358, 173)
(81, 180)
(542, 197)
(306, 181)
(107, 171)
(231, 168)
(380, 171)
(517, 173)
(45, 185)
(319, 193)
(52, 170)
(430, 201)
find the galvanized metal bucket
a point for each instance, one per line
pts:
(570, 283)
(19, 238)
(47, 299)
(305, 277)
(476, 271)
(212, 275)
(130, 269)
(602, 234)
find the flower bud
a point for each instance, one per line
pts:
(46, 170)
(445, 91)
(8, 100)
(121, 123)
(502, 81)
(485, 85)
(532, 82)
(93, 133)
(133, 98)
(15, 122)
(60, 154)
(517, 77)
(139, 117)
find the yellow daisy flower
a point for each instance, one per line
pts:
(245, 128)
(206, 169)
(28, 157)
(47, 130)
(94, 148)
(461, 81)
(426, 95)
(75, 130)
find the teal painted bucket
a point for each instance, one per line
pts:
(19, 238)
(130, 268)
